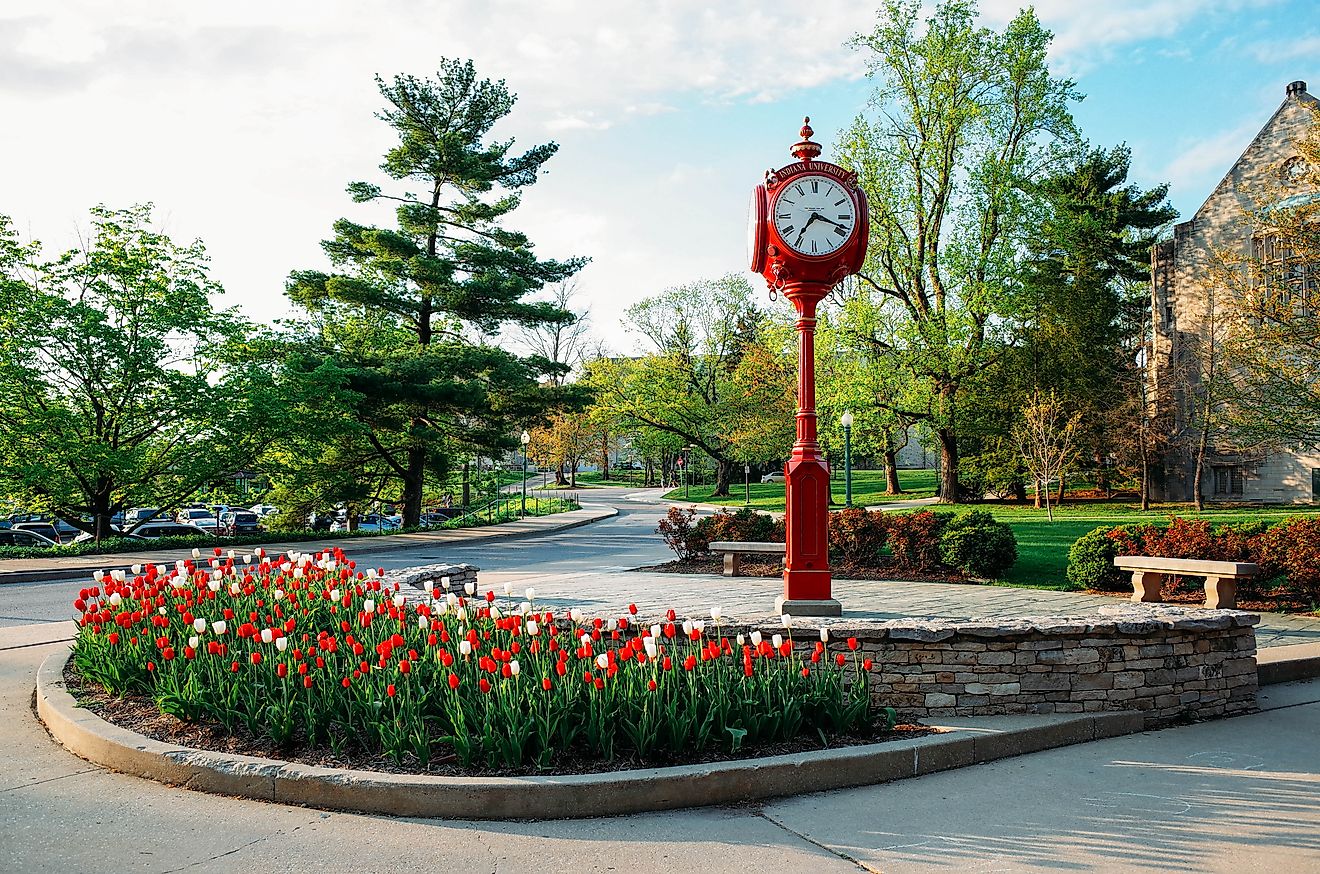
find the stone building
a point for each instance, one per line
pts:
(1182, 320)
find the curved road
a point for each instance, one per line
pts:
(620, 543)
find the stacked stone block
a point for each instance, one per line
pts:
(416, 577)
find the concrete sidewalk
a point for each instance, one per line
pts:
(21, 570)
(1237, 795)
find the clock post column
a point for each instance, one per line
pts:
(807, 478)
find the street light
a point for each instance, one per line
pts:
(685, 473)
(526, 438)
(747, 483)
(847, 419)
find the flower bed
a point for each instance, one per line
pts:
(308, 651)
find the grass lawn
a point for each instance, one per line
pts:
(1043, 545)
(868, 489)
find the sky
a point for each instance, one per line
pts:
(243, 121)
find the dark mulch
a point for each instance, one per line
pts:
(142, 716)
(843, 571)
(1195, 597)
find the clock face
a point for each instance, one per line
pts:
(814, 215)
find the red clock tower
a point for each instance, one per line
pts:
(807, 230)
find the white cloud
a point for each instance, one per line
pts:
(1273, 51)
(1204, 161)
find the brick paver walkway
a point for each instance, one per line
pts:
(753, 597)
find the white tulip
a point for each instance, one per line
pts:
(741, 640)
(197, 553)
(756, 638)
(235, 588)
(524, 608)
(178, 582)
(281, 643)
(278, 594)
(116, 599)
(231, 555)
(495, 612)
(469, 588)
(160, 610)
(137, 569)
(465, 647)
(247, 559)
(213, 585)
(687, 627)
(267, 635)
(602, 661)
(655, 630)
(824, 634)
(218, 626)
(651, 649)
(193, 641)
(532, 627)
(776, 641)
(118, 575)
(422, 623)
(297, 573)
(451, 599)
(199, 625)
(508, 589)
(334, 594)
(260, 551)
(98, 576)
(531, 593)
(444, 583)
(610, 624)
(514, 667)
(428, 586)
(787, 620)
(700, 626)
(398, 600)
(178, 564)
(369, 605)
(460, 612)
(371, 573)
(215, 562)
(575, 614)
(779, 604)
(716, 613)
(585, 639)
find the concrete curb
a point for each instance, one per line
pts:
(967, 742)
(1283, 664)
(595, 513)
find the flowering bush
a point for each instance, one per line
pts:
(914, 539)
(1292, 548)
(680, 533)
(745, 525)
(307, 650)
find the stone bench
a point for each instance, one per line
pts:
(732, 550)
(1221, 577)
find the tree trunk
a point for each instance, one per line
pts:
(891, 473)
(1063, 480)
(101, 514)
(412, 486)
(1198, 494)
(467, 483)
(1037, 502)
(604, 456)
(1145, 476)
(1019, 485)
(948, 465)
(573, 475)
(561, 475)
(723, 476)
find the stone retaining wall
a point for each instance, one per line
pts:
(416, 577)
(1168, 663)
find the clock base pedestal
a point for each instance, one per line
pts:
(828, 607)
(807, 576)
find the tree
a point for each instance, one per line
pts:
(965, 116)
(685, 386)
(398, 318)
(1046, 438)
(562, 444)
(123, 385)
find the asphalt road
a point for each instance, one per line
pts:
(620, 543)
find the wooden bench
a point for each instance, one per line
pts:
(732, 550)
(1221, 577)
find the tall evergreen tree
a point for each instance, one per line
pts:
(402, 314)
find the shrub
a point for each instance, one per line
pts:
(682, 534)
(914, 539)
(1183, 538)
(745, 525)
(346, 662)
(1293, 546)
(1091, 561)
(857, 535)
(978, 544)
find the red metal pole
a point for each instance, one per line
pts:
(806, 478)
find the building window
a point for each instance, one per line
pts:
(1289, 286)
(1228, 480)
(1168, 316)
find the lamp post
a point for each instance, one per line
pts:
(747, 483)
(685, 473)
(847, 419)
(526, 438)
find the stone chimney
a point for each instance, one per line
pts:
(1296, 88)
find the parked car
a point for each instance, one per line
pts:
(264, 510)
(203, 519)
(152, 530)
(239, 522)
(136, 514)
(23, 537)
(219, 509)
(45, 529)
(369, 522)
(773, 478)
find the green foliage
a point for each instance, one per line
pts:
(743, 526)
(123, 385)
(857, 536)
(978, 544)
(395, 369)
(1091, 562)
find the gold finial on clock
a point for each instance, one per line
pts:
(805, 149)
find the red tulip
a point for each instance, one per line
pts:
(233, 668)
(632, 608)
(405, 666)
(483, 684)
(866, 664)
(841, 659)
(344, 682)
(806, 671)
(650, 684)
(256, 658)
(546, 684)
(454, 681)
(307, 682)
(281, 670)
(852, 644)
(689, 663)
(389, 690)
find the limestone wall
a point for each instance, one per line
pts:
(1167, 662)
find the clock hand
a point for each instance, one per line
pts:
(805, 225)
(828, 221)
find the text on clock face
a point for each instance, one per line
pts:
(814, 215)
